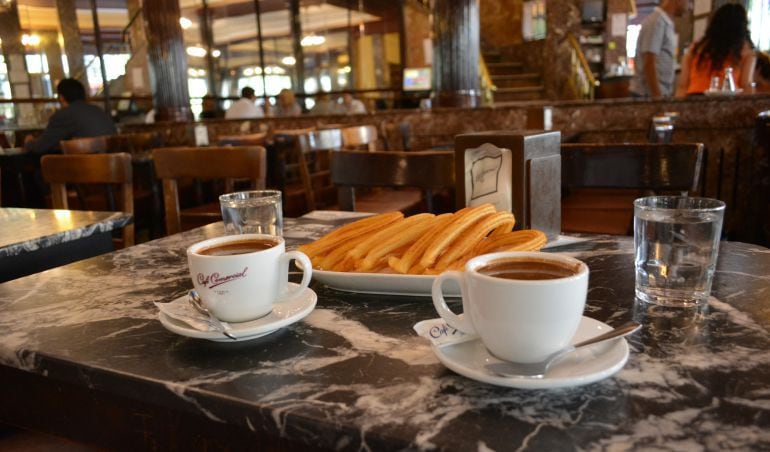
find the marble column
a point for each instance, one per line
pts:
(137, 68)
(456, 53)
(168, 60)
(13, 52)
(49, 45)
(73, 43)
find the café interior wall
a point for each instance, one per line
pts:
(417, 30)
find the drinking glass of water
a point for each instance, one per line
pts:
(252, 212)
(676, 241)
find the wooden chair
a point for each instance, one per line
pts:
(223, 163)
(303, 169)
(60, 170)
(89, 145)
(360, 138)
(251, 139)
(601, 181)
(424, 170)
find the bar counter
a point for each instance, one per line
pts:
(83, 355)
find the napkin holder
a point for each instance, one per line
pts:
(518, 171)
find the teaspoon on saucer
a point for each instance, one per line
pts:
(539, 369)
(197, 304)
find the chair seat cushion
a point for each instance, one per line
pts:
(406, 200)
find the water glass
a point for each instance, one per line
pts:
(676, 241)
(252, 212)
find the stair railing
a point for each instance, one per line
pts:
(581, 78)
(487, 85)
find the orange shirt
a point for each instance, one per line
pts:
(701, 75)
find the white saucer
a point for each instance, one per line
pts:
(583, 366)
(283, 314)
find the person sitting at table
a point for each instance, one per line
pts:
(245, 108)
(76, 119)
(351, 105)
(210, 108)
(726, 44)
(286, 104)
(324, 105)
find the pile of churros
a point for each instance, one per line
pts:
(422, 244)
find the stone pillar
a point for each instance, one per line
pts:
(49, 45)
(168, 60)
(137, 68)
(296, 38)
(13, 51)
(456, 53)
(73, 44)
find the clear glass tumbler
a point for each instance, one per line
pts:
(676, 241)
(252, 212)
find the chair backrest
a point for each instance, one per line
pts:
(600, 181)
(60, 170)
(251, 139)
(135, 142)
(654, 167)
(428, 170)
(360, 137)
(228, 163)
(89, 145)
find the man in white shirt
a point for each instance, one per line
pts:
(245, 108)
(656, 51)
(351, 105)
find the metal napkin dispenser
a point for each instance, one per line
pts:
(518, 171)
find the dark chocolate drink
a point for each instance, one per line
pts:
(238, 247)
(529, 269)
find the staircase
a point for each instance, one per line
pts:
(514, 82)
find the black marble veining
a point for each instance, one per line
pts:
(354, 376)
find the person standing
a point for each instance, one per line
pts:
(656, 51)
(76, 119)
(726, 43)
(245, 108)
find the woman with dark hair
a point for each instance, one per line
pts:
(726, 43)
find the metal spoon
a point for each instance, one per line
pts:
(197, 304)
(539, 369)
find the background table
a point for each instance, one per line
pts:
(84, 355)
(33, 240)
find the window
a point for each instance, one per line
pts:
(759, 23)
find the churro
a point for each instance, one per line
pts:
(413, 254)
(473, 236)
(411, 229)
(349, 231)
(462, 222)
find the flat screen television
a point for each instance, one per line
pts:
(417, 79)
(592, 11)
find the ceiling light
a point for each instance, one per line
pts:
(196, 51)
(248, 72)
(216, 53)
(312, 40)
(30, 40)
(288, 61)
(185, 23)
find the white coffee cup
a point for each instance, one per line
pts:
(519, 320)
(244, 286)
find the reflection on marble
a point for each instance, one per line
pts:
(25, 230)
(354, 376)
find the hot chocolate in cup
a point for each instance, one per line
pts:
(522, 305)
(241, 277)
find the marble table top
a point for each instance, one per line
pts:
(353, 375)
(24, 230)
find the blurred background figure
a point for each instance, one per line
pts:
(211, 108)
(286, 104)
(324, 105)
(726, 43)
(351, 105)
(76, 119)
(245, 108)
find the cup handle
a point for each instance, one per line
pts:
(307, 272)
(455, 321)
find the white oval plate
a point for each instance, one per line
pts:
(383, 283)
